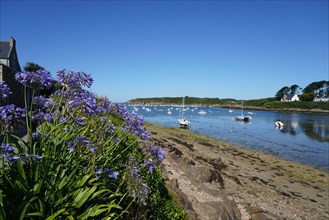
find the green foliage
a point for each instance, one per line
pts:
(179, 100)
(307, 97)
(79, 167)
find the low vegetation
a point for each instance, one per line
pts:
(81, 157)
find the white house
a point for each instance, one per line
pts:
(324, 98)
(290, 98)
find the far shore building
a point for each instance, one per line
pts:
(324, 98)
(9, 66)
(290, 98)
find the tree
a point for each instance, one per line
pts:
(32, 67)
(293, 89)
(283, 91)
(317, 88)
(307, 97)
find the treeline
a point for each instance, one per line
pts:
(179, 100)
(314, 89)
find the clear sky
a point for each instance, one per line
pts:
(139, 49)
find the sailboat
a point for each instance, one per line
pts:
(202, 112)
(183, 122)
(242, 117)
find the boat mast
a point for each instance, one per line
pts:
(183, 107)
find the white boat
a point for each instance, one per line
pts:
(202, 112)
(183, 122)
(278, 124)
(242, 117)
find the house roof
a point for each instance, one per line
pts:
(5, 50)
(290, 96)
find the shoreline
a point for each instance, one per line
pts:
(213, 179)
(246, 107)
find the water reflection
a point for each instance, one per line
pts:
(288, 127)
(316, 131)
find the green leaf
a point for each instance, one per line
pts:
(40, 214)
(101, 192)
(22, 215)
(83, 180)
(56, 214)
(21, 170)
(94, 211)
(1, 198)
(63, 183)
(84, 195)
(20, 186)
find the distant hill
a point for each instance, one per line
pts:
(178, 100)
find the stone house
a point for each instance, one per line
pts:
(290, 98)
(9, 66)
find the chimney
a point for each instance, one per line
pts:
(12, 42)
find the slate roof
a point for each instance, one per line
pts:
(5, 50)
(289, 96)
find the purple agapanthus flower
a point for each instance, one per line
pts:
(11, 118)
(70, 146)
(112, 173)
(73, 79)
(49, 117)
(7, 152)
(36, 135)
(4, 91)
(158, 153)
(150, 166)
(40, 77)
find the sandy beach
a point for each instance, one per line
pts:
(216, 180)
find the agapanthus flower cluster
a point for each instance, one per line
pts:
(11, 118)
(85, 100)
(134, 124)
(149, 165)
(81, 143)
(8, 153)
(112, 174)
(157, 153)
(4, 91)
(136, 187)
(73, 79)
(38, 78)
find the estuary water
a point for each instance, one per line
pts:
(304, 137)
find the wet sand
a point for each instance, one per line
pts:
(216, 180)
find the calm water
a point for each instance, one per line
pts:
(304, 138)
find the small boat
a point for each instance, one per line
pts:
(278, 124)
(243, 118)
(183, 122)
(202, 112)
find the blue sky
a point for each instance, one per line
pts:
(135, 49)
